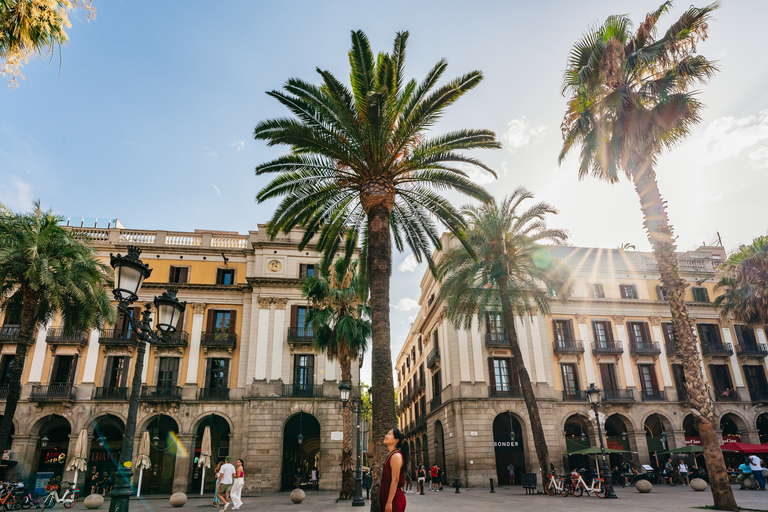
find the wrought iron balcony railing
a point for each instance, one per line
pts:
(618, 395)
(644, 348)
(218, 340)
(111, 393)
(60, 336)
(758, 395)
(300, 335)
(671, 348)
(53, 392)
(567, 347)
(574, 396)
(433, 358)
(654, 396)
(118, 337)
(3, 391)
(608, 347)
(9, 332)
(302, 391)
(496, 339)
(161, 393)
(756, 350)
(505, 391)
(717, 349)
(213, 394)
(435, 403)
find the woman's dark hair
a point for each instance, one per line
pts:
(403, 447)
(241, 461)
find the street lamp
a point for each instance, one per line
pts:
(130, 273)
(593, 395)
(355, 406)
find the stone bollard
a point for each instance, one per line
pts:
(178, 499)
(697, 484)
(297, 495)
(457, 484)
(492, 485)
(749, 483)
(643, 486)
(94, 501)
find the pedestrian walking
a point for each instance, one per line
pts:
(433, 479)
(216, 502)
(367, 482)
(756, 465)
(391, 495)
(237, 485)
(511, 470)
(408, 482)
(682, 469)
(226, 479)
(421, 474)
(439, 478)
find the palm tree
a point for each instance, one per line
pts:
(506, 278)
(630, 98)
(361, 164)
(744, 283)
(341, 326)
(49, 271)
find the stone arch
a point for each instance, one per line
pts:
(301, 445)
(689, 426)
(52, 432)
(201, 418)
(761, 424)
(37, 423)
(732, 426)
(146, 422)
(164, 449)
(107, 433)
(510, 444)
(221, 435)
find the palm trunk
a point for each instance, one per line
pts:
(534, 418)
(382, 386)
(347, 478)
(26, 338)
(659, 232)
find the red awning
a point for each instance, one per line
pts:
(745, 448)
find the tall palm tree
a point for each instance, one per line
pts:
(506, 278)
(361, 163)
(744, 284)
(630, 98)
(341, 326)
(50, 271)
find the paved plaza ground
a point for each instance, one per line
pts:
(662, 498)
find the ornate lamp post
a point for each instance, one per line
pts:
(356, 406)
(593, 395)
(130, 273)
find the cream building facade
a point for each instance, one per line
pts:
(459, 401)
(241, 363)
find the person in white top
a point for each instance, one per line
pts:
(237, 487)
(226, 473)
(682, 468)
(755, 464)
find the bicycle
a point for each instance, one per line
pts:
(9, 498)
(68, 499)
(556, 485)
(598, 486)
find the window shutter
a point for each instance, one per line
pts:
(554, 330)
(219, 276)
(646, 332)
(55, 369)
(487, 322)
(225, 374)
(623, 291)
(727, 376)
(609, 331)
(631, 332)
(739, 334)
(232, 320)
(302, 270)
(491, 373)
(170, 275)
(652, 370)
(514, 374)
(209, 327)
(296, 373)
(72, 371)
(660, 292)
(572, 332)
(121, 325)
(311, 370)
(107, 380)
(294, 316)
(184, 275)
(643, 386)
(126, 370)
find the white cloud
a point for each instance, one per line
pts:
(217, 189)
(406, 304)
(476, 174)
(758, 158)
(16, 194)
(726, 137)
(238, 144)
(520, 133)
(409, 264)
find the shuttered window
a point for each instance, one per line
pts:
(700, 294)
(179, 275)
(628, 291)
(596, 291)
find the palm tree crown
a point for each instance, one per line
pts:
(744, 284)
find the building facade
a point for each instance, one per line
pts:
(461, 405)
(241, 362)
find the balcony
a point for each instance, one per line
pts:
(644, 348)
(9, 333)
(419, 385)
(759, 351)
(671, 348)
(505, 391)
(227, 340)
(654, 396)
(433, 358)
(574, 396)
(300, 335)
(178, 339)
(567, 347)
(715, 349)
(607, 347)
(118, 338)
(496, 339)
(758, 395)
(436, 402)
(618, 395)
(119, 393)
(53, 393)
(404, 398)
(302, 391)
(60, 336)
(161, 393)
(221, 394)
(419, 423)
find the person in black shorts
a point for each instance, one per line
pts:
(439, 483)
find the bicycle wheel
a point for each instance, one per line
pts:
(10, 503)
(550, 488)
(577, 490)
(602, 491)
(70, 501)
(565, 490)
(48, 502)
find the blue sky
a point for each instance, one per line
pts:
(150, 117)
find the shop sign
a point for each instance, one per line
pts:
(617, 443)
(692, 441)
(41, 480)
(731, 439)
(507, 446)
(54, 457)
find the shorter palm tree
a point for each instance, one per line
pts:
(512, 275)
(744, 284)
(48, 271)
(341, 326)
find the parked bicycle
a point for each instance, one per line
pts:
(555, 485)
(577, 485)
(10, 497)
(68, 499)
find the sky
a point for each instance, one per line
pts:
(147, 114)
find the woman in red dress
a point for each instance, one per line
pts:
(391, 496)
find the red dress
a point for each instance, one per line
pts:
(398, 503)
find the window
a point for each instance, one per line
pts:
(668, 331)
(596, 291)
(299, 321)
(217, 373)
(168, 372)
(570, 379)
(603, 333)
(6, 367)
(221, 322)
(413, 354)
(660, 293)
(648, 382)
(756, 382)
(499, 368)
(678, 374)
(639, 334)
(64, 368)
(721, 381)
(117, 372)
(306, 270)
(628, 291)
(420, 344)
(434, 338)
(609, 376)
(437, 386)
(745, 336)
(551, 292)
(700, 294)
(430, 300)
(709, 335)
(12, 313)
(493, 324)
(421, 373)
(304, 371)
(563, 330)
(408, 363)
(179, 275)
(225, 276)
(123, 325)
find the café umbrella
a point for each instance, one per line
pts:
(79, 461)
(143, 461)
(205, 456)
